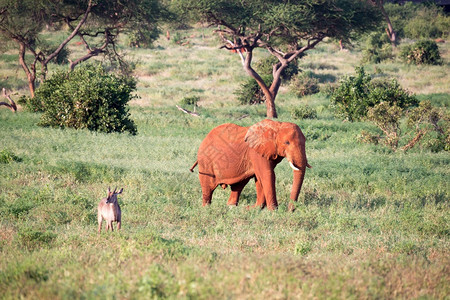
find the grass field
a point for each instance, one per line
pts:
(370, 223)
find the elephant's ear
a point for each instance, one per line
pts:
(262, 138)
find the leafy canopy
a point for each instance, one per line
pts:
(285, 22)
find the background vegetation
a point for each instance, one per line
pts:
(370, 222)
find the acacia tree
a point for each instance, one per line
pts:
(286, 29)
(97, 24)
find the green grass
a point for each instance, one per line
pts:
(370, 223)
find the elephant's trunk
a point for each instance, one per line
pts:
(298, 164)
(297, 183)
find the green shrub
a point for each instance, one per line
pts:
(86, 98)
(190, 100)
(304, 84)
(143, 38)
(7, 156)
(304, 112)
(422, 52)
(418, 21)
(427, 22)
(387, 118)
(356, 94)
(250, 93)
(377, 48)
(426, 124)
(431, 126)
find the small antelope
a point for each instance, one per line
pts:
(109, 209)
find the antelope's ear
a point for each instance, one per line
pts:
(262, 137)
(120, 192)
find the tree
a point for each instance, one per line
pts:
(286, 29)
(96, 23)
(392, 35)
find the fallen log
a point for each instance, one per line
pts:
(193, 113)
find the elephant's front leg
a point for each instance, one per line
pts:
(236, 190)
(265, 182)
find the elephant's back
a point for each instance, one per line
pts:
(222, 147)
(225, 134)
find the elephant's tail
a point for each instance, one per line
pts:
(193, 167)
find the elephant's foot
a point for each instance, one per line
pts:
(256, 205)
(272, 207)
(232, 202)
(291, 206)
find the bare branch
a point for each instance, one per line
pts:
(91, 52)
(188, 111)
(234, 47)
(414, 141)
(12, 105)
(71, 36)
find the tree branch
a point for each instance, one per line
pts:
(188, 111)
(71, 36)
(11, 105)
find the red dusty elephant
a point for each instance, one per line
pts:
(232, 155)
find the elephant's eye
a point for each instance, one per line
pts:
(287, 142)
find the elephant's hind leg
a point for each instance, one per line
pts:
(260, 197)
(207, 189)
(236, 190)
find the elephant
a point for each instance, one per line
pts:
(230, 155)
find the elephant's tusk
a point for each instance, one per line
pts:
(294, 167)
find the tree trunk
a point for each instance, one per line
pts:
(31, 74)
(390, 30)
(268, 93)
(271, 110)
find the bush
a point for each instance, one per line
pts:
(425, 123)
(7, 156)
(304, 85)
(430, 124)
(418, 21)
(250, 93)
(304, 112)
(356, 94)
(387, 118)
(86, 98)
(422, 52)
(427, 22)
(190, 100)
(377, 48)
(143, 38)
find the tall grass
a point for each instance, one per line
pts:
(369, 223)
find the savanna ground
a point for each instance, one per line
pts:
(370, 222)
